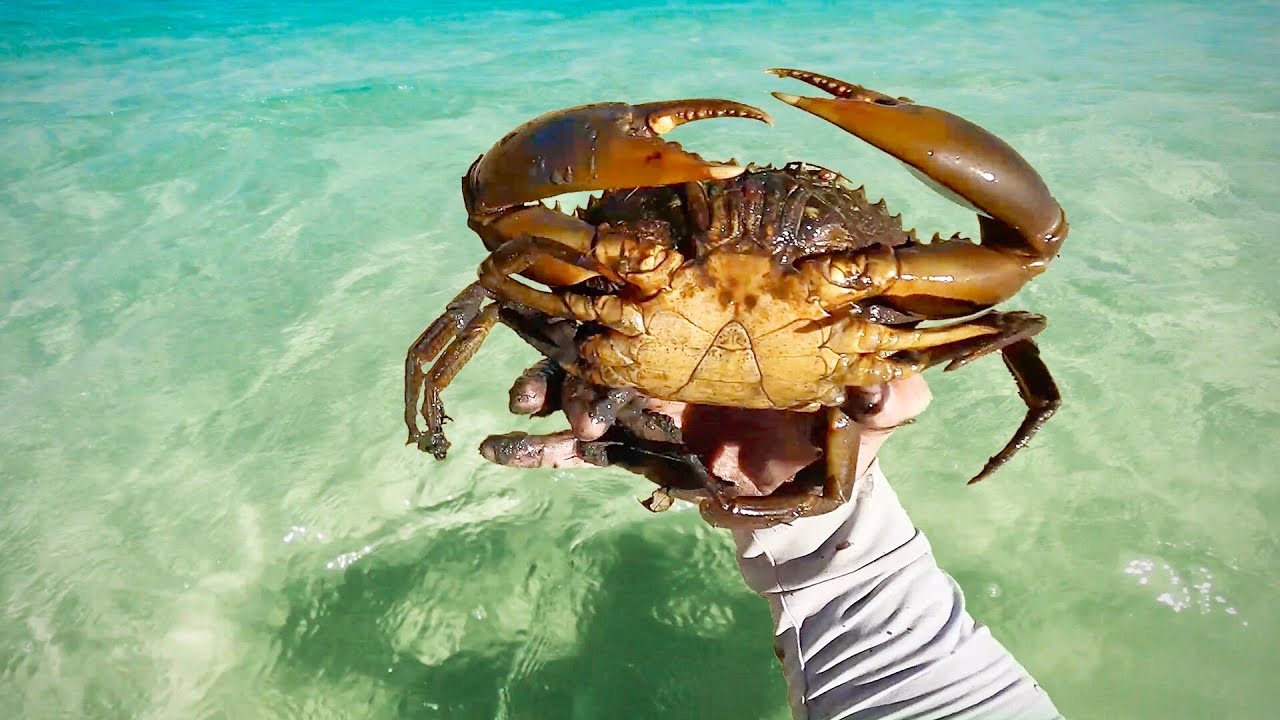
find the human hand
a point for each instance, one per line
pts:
(755, 450)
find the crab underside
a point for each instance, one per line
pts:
(757, 288)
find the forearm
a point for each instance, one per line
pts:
(868, 626)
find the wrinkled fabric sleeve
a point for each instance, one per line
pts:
(868, 626)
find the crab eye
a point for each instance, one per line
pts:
(653, 260)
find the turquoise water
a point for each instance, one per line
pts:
(221, 225)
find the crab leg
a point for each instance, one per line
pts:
(517, 255)
(464, 326)
(1038, 391)
(871, 349)
(1012, 338)
(604, 146)
(1022, 226)
(469, 339)
(556, 340)
(859, 337)
(668, 465)
(459, 314)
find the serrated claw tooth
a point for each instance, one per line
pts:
(724, 172)
(663, 116)
(788, 98)
(837, 88)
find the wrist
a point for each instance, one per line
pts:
(815, 549)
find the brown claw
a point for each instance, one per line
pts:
(597, 147)
(963, 161)
(838, 88)
(665, 115)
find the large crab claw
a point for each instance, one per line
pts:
(597, 147)
(961, 160)
(606, 146)
(1023, 227)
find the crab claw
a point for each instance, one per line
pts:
(597, 147)
(962, 161)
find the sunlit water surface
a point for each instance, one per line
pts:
(221, 225)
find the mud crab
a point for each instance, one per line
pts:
(713, 283)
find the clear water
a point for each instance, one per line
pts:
(221, 225)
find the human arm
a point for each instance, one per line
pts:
(866, 624)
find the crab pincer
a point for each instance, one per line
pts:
(605, 146)
(1023, 226)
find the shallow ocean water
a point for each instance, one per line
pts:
(221, 225)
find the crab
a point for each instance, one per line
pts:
(750, 287)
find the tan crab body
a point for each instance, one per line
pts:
(756, 288)
(733, 330)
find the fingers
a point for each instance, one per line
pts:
(537, 392)
(902, 402)
(541, 390)
(544, 388)
(580, 406)
(755, 450)
(522, 450)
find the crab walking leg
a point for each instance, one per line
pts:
(1023, 226)
(516, 255)
(1036, 386)
(1009, 327)
(946, 278)
(868, 337)
(866, 349)
(953, 278)
(625, 407)
(648, 424)
(1038, 391)
(458, 314)
(469, 340)
(843, 435)
(667, 465)
(540, 221)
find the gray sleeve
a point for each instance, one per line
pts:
(868, 626)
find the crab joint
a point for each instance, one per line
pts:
(644, 265)
(609, 310)
(846, 278)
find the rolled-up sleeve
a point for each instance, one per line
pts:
(868, 626)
